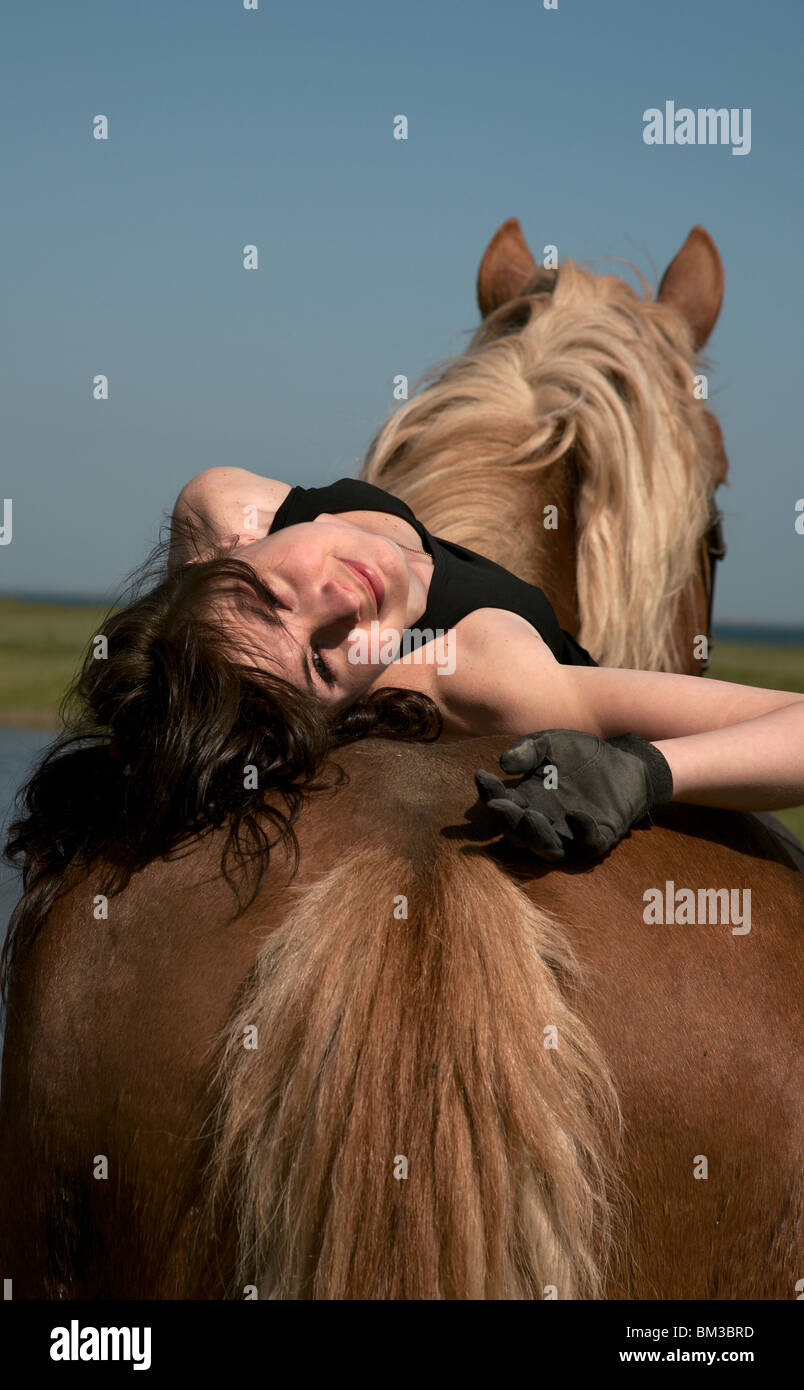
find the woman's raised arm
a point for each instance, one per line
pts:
(224, 502)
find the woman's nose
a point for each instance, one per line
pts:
(339, 599)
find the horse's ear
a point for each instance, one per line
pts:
(693, 283)
(505, 269)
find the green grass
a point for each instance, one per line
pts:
(776, 668)
(41, 648)
(749, 663)
(42, 644)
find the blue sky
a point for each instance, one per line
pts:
(274, 127)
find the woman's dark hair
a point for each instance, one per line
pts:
(162, 724)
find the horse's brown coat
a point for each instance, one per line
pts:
(113, 1025)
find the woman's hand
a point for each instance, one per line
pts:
(587, 796)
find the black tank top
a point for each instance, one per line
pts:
(462, 580)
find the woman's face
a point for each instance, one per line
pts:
(324, 574)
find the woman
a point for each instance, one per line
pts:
(220, 690)
(722, 744)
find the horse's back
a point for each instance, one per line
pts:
(115, 1024)
(696, 998)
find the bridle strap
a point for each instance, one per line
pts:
(715, 548)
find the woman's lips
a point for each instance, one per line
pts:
(371, 579)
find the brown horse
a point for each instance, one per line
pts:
(429, 1066)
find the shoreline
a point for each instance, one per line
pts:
(30, 719)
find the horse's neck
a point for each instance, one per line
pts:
(525, 525)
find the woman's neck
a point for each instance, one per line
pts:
(385, 524)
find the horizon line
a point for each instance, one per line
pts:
(48, 597)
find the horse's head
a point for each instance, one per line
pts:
(571, 443)
(692, 285)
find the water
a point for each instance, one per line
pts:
(18, 750)
(759, 633)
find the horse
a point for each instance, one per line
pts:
(429, 1065)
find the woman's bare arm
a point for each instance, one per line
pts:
(727, 744)
(224, 502)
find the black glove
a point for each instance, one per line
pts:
(601, 787)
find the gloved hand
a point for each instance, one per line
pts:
(599, 789)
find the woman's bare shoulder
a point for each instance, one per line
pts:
(493, 649)
(497, 668)
(485, 628)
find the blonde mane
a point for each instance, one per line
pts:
(582, 371)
